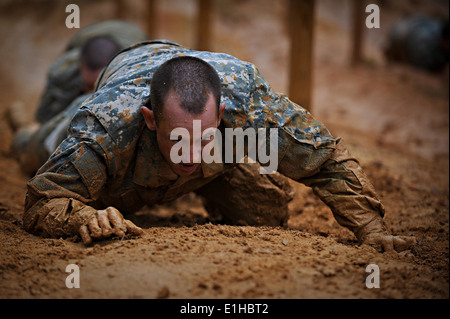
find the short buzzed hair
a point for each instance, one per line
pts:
(96, 52)
(191, 79)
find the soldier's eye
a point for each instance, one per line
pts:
(175, 137)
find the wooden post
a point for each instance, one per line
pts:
(301, 28)
(357, 30)
(203, 25)
(151, 19)
(120, 9)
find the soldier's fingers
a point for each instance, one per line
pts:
(404, 243)
(84, 233)
(375, 241)
(116, 218)
(104, 224)
(388, 243)
(411, 240)
(133, 229)
(95, 230)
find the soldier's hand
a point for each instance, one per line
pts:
(388, 243)
(106, 223)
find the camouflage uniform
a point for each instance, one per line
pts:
(64, 81)
(34, 144)
(111, 158)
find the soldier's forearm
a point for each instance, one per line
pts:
(344, 187)
(58, 217)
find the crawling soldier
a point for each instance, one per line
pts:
(117, 155)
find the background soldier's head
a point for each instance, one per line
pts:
(95, 55)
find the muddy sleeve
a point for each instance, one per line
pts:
(63, 86)
(340, 183)
(58, 197)
(308, 153)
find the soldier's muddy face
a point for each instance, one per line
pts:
(176, 118)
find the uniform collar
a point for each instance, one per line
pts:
(152, 170)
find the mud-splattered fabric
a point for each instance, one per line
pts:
(64, 80)
(34, 144)
(111, 158)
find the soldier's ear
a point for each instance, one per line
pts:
(149, 118)
(221, 109)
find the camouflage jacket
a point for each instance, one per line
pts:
(111, 158)
(63, 79)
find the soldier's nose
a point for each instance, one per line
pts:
(196, 156)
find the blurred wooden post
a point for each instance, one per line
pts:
(203, 24)
(357, 30)
(120, 9)
(151, 19)
(301, 28)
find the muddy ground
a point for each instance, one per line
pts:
(393, 118)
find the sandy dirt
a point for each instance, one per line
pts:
(393, 118)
